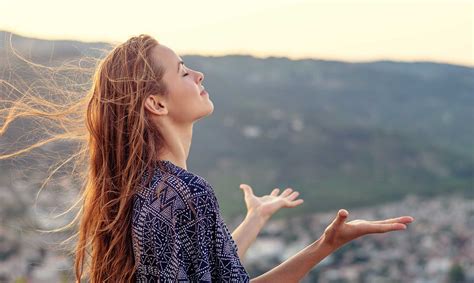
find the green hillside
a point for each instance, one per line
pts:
(343, 134)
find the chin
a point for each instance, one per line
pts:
(208, 112)
(211, 110)
(211, 107)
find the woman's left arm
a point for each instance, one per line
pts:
(259, 211)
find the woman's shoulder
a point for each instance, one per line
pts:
(174, 197)
(186, 184)
(194, 183)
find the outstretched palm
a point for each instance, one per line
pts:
(267, 205)
(339, 232)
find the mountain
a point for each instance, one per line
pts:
(343, 134)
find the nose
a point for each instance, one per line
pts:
(200, 76)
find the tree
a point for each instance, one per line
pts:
(456, 274)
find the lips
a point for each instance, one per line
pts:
(203, 91)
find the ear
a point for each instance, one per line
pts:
(156, 105)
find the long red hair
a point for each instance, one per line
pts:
(118, 144)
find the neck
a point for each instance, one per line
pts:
(177, 143)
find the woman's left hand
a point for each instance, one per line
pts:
(265, 206)
(340, 232)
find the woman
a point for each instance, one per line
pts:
(145, 217)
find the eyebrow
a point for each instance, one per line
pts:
(179, 63)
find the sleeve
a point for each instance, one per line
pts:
(206, 245)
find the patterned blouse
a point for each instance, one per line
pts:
(180, 236)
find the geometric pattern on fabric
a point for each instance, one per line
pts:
(178, 232)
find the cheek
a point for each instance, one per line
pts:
(190, 86)
(185, 98)
(180, 90)
(184, 91)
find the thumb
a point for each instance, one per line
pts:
(246, 188)
(341, 216)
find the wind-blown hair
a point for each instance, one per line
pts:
(118, 143)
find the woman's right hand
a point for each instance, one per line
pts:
(339, 232)
(336, 234)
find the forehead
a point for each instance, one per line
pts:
(166, 57)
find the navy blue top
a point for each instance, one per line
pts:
(180, 236)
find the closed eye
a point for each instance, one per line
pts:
(185, 74)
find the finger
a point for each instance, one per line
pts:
(383, 228)
(275, 192)
(293, 195)
(295, 203)
(402, 219)
(341, 217)
(247, 189)
(286, 192)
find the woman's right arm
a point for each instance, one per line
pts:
(297, 266)
(337, 234)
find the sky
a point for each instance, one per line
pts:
(347, 30)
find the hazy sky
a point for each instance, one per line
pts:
(350, 30)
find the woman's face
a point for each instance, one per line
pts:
(185, 102)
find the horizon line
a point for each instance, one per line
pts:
(258, 55)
